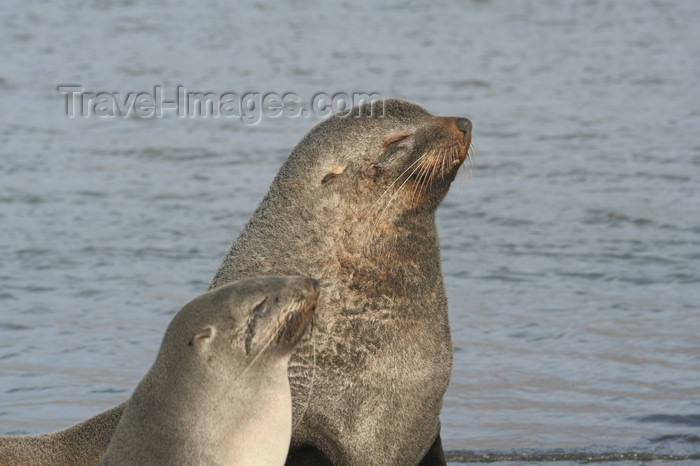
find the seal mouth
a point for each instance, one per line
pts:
(444, 160)
(462, 128)
(438, 167)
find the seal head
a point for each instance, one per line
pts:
(218, 391)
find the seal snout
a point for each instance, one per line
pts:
(461, 126)
(464, 125)
(298, 312)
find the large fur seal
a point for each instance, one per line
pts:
(218, 391)
(354, 205)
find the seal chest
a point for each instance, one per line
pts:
(218, 391)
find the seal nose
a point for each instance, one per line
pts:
(314, 285)
(464, 125)
(460, 126)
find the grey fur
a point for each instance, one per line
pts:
(81, 444)
(369, 386)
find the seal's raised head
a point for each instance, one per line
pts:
(346, 187)
(392, 152)
(236, 325)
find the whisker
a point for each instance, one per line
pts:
(394, 182)
(422, 175)
(471, 156)
(425, 170)
(290, 312)
(427, 178)
(398, 190)
(443, 160)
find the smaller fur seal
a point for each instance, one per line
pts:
(218, 391)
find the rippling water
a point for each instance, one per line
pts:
(571, 252)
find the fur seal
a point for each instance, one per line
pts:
(218, 391)
(354, 205)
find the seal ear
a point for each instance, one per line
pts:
(202, 336)
(337, 170)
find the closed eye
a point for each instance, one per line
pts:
(395, 140)
(257, 311)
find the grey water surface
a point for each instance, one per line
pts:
(571, 251)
